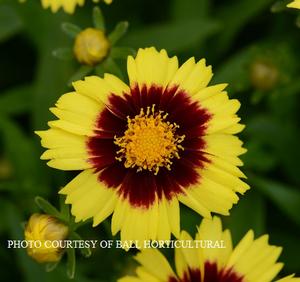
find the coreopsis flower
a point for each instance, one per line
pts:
(294, 4)
(165, 138)
(43, 228)
(67, 5)
(91, 46)
(252, 260)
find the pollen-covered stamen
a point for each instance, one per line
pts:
(150, 142)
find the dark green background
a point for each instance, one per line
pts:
(232, 35)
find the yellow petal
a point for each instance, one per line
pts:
(151, 67)
(155, 264)
(89, 197)
(295, 4)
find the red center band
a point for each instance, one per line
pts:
(211, 274)
(143, 187)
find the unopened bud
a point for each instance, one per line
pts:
(91, 46)
(264, 75)
(45, 229)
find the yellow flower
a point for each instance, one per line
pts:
(252, 260)
(165, 138)
(294, 4)
(67, 5)
(44, 229)
(91, 46)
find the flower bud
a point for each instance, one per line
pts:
(45, 229)
(6, 169)
(91, 46)
(264, 75)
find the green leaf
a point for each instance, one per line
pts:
(10, 23)
(244, 217)
(258, 158)
(279, 6)
(63, 53)
(98, 19)
(110, 66)
(86, 252)
(71, 29)
(122, 52)
(189, 220)
(24, 157)
(235, 70)
(298, 21)
(174, 37)
(51, 74)
(291, 247)
(16, 100)
(119, 31)
(243, 12)
(186, 10)
(286, 198)
(80, 73)
(64, 208)
(46, 207)
(71, 263)
(51, 266)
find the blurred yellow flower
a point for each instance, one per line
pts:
(43, 229)
(91, 46)
(294, 4)
(252, 260)
(67, 5)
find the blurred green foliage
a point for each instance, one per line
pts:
(232, 35)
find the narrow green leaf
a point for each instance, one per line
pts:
(238, 79)
(185, 10)
(279, 6)
(241, 219)
(24, 158)
(31, 270)
(64, 208)
(51, 266)
(233, 24)
(122, 52)
(10, 23)
(119, 31)
(298, 21)
(86, 252)
(98, 19)
(99, 70)
(80, 73)
(71, 263)
(286, 198)
(174, 37)
(16, 100)
(48, 208)
(63, 54)
(110, 66)
(70, 29)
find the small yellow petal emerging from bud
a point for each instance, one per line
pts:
(45, 229)
(295, 4)
(91, 46)
(264, 75)
(108, 2)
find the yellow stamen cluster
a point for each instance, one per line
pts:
(150, 142)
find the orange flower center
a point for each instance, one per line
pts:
(150, 142)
